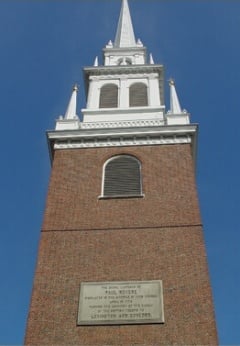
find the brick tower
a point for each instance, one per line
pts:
(122, 258)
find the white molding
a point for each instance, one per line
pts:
(116, 124)
(122, 196)
(129, 136)
(120, 142)
(67, 124)
(128, 69)
(122, 137)
(126, 110)
(165, 130)
(177, 119)
(125, 76)
(118, 115)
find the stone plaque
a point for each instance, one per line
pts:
(130, 302)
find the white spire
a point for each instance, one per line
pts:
(125, 35)
(151, 59)
(96, 61)
(176, 116)
(72, 106)
(175, 107)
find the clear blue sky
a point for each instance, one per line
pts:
(43, 46)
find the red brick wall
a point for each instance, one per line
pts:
(88, 239)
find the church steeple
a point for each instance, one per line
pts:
(125, 50)
(122, 199)
(127, 90)
(125, 34)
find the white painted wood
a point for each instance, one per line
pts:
(124, 64)
(125, 35)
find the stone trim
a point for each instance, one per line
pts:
(120, 137)
(116, 124)
(120, 141)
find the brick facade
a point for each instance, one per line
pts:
(85, 238)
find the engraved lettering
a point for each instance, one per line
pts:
(120, 302)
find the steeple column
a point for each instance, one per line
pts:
(124, 93)
(93, 94)
(107, 60)
(154, 92)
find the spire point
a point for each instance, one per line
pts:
(72, 105)
(96, 61)
(176, 115)
(75, 87)
(175, 107)
(125, 35)
(151, 59)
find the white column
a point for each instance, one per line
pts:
(154, 93)
(124, 93)
(93, 94)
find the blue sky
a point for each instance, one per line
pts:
(43, 46)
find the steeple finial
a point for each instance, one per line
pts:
(72, 106)
(125, 35)
(96, 61)
(175, 107)
(151, 59)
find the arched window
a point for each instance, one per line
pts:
(108, 96)
(138, 95)
(122, 177)
(125, 61)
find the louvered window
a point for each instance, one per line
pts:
(138, 95)
(109, 96)
(122, 177)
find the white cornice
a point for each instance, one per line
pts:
(121, 123)
(106, 70)
(119, 137)
(125, 49)
(124, 76)
(130, 110)
(119, 141)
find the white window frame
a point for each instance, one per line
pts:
(103, 196)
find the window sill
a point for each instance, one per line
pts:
(121, 196)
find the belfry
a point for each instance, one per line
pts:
(122, 258)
